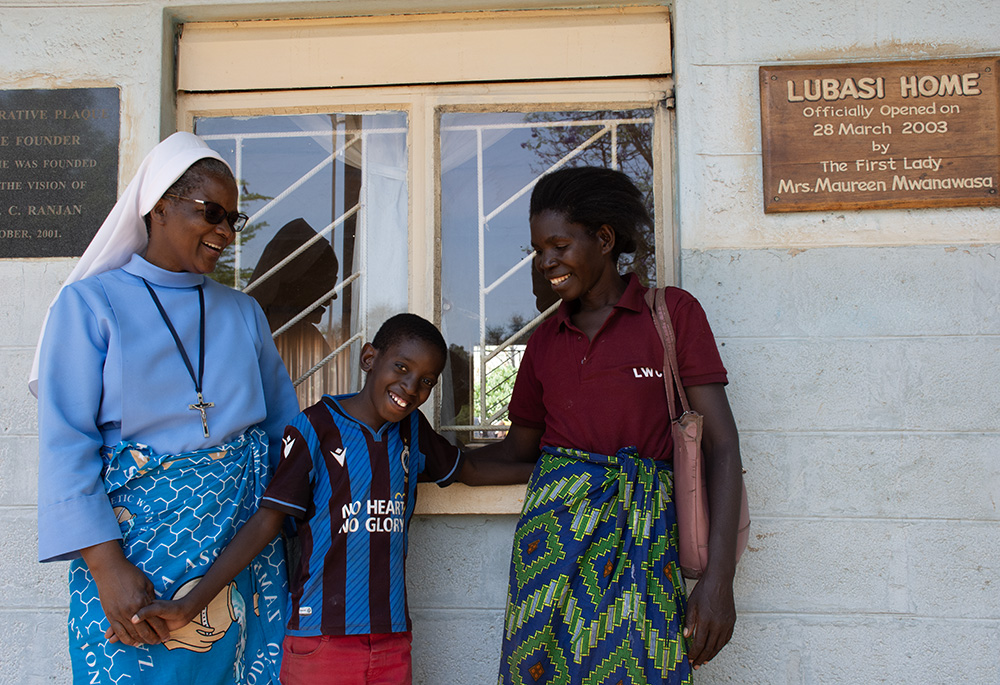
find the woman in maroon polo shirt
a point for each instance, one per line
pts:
(595, 584)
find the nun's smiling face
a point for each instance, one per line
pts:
(180, 238)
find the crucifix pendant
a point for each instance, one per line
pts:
(202, 406)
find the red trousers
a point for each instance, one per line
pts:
(380, 659)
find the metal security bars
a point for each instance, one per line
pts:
(314, 171)
(583, 137)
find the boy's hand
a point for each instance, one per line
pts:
(253, 537)
(175, 614)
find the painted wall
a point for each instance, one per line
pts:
(43, 45)
(862, 348)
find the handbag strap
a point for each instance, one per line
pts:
(657, 302)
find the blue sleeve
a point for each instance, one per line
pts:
(279, 394)
(74, 511)
(441, 460)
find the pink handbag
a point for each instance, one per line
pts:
(690, 492)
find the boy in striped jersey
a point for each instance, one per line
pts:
(348, 475)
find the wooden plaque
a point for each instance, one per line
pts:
(880, 135)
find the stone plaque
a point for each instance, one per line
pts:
(880, 135)
(58, 169)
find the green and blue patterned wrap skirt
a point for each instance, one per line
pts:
(596, 595)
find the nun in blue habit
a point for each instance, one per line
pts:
(161, 405)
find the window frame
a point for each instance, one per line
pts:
(423, 104)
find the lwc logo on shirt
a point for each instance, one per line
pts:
(646, 372)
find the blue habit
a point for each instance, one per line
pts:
(122, 457)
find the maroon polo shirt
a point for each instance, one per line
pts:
(607, 393)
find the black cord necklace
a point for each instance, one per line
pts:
(202, 405)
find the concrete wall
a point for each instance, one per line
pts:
(862, 348)
(46, 46)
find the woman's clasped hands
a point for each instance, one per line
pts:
(124, 590)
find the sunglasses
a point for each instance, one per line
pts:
(215, 213)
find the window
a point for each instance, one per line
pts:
(317, 188)
(373, 139)
(491, 298)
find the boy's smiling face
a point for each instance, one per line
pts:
(399, 379)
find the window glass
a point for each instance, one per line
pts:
(489, 163)
(327, 200)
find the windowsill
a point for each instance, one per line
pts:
(463, 499)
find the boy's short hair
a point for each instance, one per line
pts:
(408, 326)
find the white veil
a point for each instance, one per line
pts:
(123, 233)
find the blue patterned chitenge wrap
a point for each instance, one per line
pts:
(596, 595)
(177, 512)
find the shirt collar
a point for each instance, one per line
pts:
(631, 299)
(138, 266)
(333, 402)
